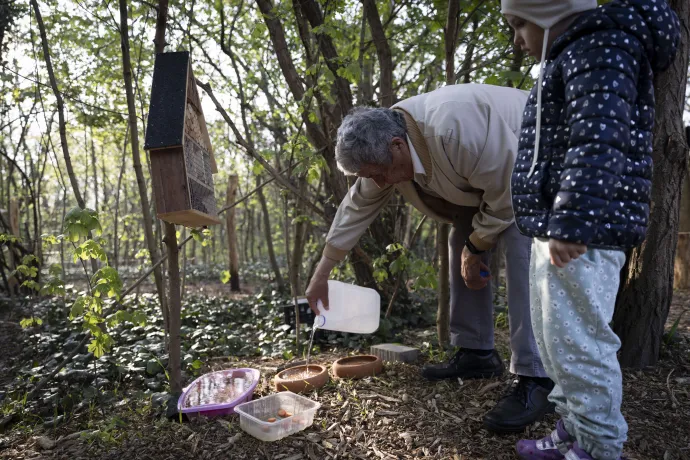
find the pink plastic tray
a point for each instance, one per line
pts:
(218, 408)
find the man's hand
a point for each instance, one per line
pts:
(563, 252)
(472, 265)
(317, 290)
(318, 286)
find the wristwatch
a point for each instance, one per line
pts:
(472, 248)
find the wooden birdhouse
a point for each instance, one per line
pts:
(182, 162)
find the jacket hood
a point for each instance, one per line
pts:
(652, 22)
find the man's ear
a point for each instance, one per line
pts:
(398, 143)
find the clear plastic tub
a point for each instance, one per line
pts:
(254, 415)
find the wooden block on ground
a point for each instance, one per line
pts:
(395, 352)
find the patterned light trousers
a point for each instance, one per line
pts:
(571, 309)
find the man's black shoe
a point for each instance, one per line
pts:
(525, 402)
(466, 364)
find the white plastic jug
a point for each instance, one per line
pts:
(351, 308)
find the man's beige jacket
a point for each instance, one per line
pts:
(466, 137)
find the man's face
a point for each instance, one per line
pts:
(528, 36)
(399, 170)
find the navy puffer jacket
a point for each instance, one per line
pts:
(591, 181)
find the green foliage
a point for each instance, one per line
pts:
(225, 276)
(7, 238)
(100, 344)
(106, 282)
(79, 222)
(54, 285)
(31, 284)
(420, 272)
(51, 239)
(501, 321)
(90, 249)
(30, 322)
(202, 236)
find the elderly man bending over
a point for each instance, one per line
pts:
(450, 153)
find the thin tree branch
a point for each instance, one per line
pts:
(253, 153)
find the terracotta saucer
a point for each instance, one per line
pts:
(290, 379)
(356, 367)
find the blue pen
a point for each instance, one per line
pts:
(483, 273)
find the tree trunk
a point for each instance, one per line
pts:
(61, 116)
(116, 236)
(386, 94)
(60, 105)
(184, 265)
(363, 86)
(646, 287)
(141, 183)
(451, 36)
(443, 314)
(175, 306)
(466, 67)
(232, 235)
(681, 270)
(312, 11)
(254, 244)
(301, 228)
(269, 239)
(95, 172)
(442, 230)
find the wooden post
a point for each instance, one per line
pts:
(14, 228)
(443, 314)
(232, 235)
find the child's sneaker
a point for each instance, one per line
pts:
(575, 453)
(552, 447)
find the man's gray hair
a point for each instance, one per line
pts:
(365, 137)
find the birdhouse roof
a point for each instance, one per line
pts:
(175, 107)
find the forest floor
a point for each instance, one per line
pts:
(395, 415)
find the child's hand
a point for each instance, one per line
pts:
(563, 252)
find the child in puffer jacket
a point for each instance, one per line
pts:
(581, 188)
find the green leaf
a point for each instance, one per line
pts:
(31, 284)
(224, 276)
(79, 222)
(30, 272)
(78, 307)
(100, 344)
(90, 249)
(54, 286)
(139, 318)
(197, 235)
(26, 260)
(196, 364)
(380, 275)
(257, 168)
(7, 238)
(55, 270)
(51, 239)
(29, 322)
(106, 281)
(396, 266)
